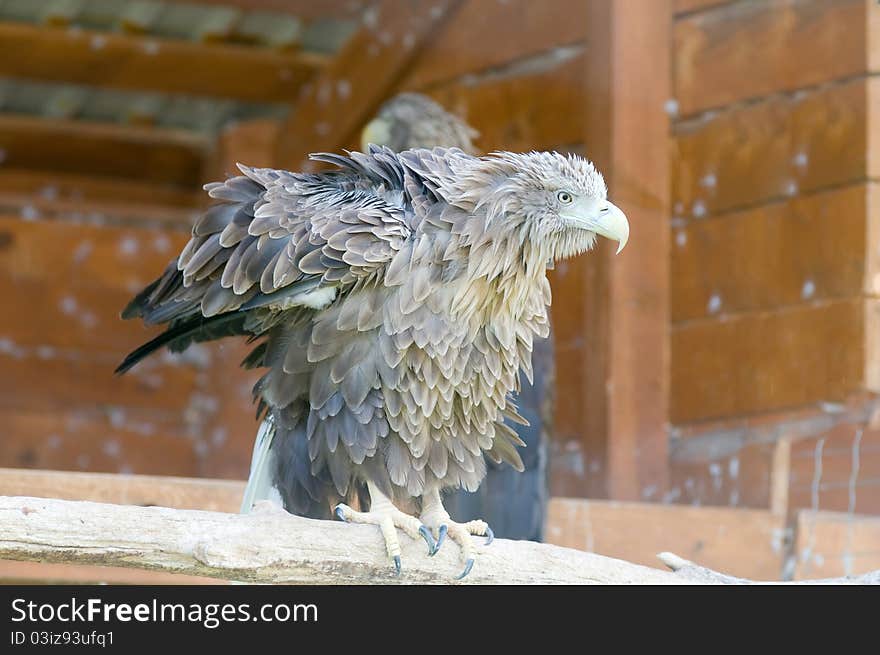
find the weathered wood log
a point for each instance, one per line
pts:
(271, 546)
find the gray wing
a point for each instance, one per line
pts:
(274, 239)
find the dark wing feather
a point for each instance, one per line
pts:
(270, 239)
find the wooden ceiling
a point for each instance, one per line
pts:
(138, 90)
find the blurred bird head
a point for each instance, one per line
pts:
(555, 202)
(411, 120)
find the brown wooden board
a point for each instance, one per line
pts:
(612, 313)
(750, 49)
(776, 148)
(772, 360)
(144, 490)
(742, 542)
(338, 102)
(811, 247)
(533, 110)
(87, 189)
(129, 61)
(831, 544)
(155, 155)
(305, 9)
(498, 35)
(99, 438)
(738, 476)
(66, 283)
(837, 471)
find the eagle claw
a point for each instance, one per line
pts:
(397, 564)
(426, 535)
(441, 537)
(340, 514)
(467, 568)
(490, 536)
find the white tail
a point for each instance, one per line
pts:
(259, 484)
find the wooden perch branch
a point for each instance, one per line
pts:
(271, 546)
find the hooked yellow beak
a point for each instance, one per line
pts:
(612, 224)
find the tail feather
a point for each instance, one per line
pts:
(181, 335)
(259, 484)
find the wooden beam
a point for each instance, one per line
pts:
(742, 542)
(750, 49)
(145, 490)
(307, 10)
(487, 36)
(128, 61)
(335, 105)
(52, 186)
(519, 112)
(612, 331)
(117, 213)
(155, 155)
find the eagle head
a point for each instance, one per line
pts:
(557, 204)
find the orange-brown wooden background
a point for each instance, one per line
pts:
(729, 357)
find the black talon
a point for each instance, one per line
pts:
(397, 564)
(490, 536)
(426, 535)
(340, 515)
(441, 537)
(467, 568)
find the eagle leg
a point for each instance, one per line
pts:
(384, 514)
(437, 519)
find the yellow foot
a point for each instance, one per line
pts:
(389, 519)
(441, 525)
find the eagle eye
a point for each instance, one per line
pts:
(564, 197)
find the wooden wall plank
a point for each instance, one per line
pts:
(36, 383)
(155, 155)
(486, 35)
(305, 9)
(144, 490)
(764, 361)
(129, 61)
(71, 281)
(831, 544)
(337, 103)
(86, 189)
(748, 155)
(751, 49)
(812, 247)
(96, 438)
(723, 476)
(519, 113)
(621, 323)
(740, 542)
